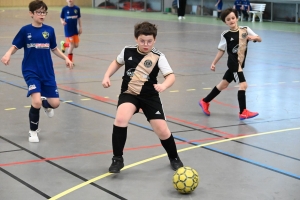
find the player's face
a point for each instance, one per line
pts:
(38, 16)
(231, 21)
(145, 43)
(70, 2)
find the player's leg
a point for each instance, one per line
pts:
(50, 99)
(34, 89)
(204, 103)
(153, 110)
(126, 109)
(161, 129)
(244, 113)
(73, 43)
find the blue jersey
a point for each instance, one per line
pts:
(71, 16)
(238, 4)
(246, 4)
(37, 43)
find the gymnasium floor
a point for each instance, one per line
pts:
(252, 159)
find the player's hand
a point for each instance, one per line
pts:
(5, 59)
(69, 63)
(213, 67)
(251, 38)
(106, 82)
(64, 23)
(79, 31)
(159, 87)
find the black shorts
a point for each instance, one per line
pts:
(230, 76)
(151, 105)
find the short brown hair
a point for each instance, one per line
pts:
(145, 28)
(37, 4)
(227, 12)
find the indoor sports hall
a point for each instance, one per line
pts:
(252, 159)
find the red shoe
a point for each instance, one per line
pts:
(247, 114)
(204, 107)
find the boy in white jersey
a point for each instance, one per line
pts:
(38, 39)
(140, 90)
(235, 42)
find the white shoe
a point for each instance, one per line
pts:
(179, 18)
(48, 111)
(33, 136)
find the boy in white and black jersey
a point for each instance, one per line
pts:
(234, 41)
(140, 90)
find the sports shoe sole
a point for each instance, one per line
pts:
(203, 109)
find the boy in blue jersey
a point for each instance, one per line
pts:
(37, 67)
(70, 16)
(235, 42)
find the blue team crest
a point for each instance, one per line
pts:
(45, 34)
(75, 11)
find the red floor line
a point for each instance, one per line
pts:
(224, 104)
(173, 118)
(96, 153)
(200, 126)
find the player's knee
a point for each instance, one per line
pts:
(76, 45)
(121, 121)
(37, 103)
(55, 104)
(243, 86)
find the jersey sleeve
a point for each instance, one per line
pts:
(53, 44)
(120, 58)
(223, 44)
(250, 32)
(20, 39)
(79, 13)
(62, 14)
(164, 65)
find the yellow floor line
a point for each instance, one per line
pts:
(163, 155)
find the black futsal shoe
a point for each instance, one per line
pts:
(176, 163)
(116, 165)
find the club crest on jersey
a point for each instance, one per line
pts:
(148, 63)
(75, 11)
(244, 35)
(130, 72)
(45, 34)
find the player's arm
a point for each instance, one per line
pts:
(59, 54)
(80, 26)
(113, 67)
(216, 60)
(6, 58)
(62, 21)
(253, 36)
(168, 82)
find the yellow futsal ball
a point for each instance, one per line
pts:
(185, 180)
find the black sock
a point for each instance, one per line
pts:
(215, 92)
(170, 147)
(46, 104)
(34, 116)
(119, 136)
(219, 13)
(242, 100)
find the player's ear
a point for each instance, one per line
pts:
(31, 14)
